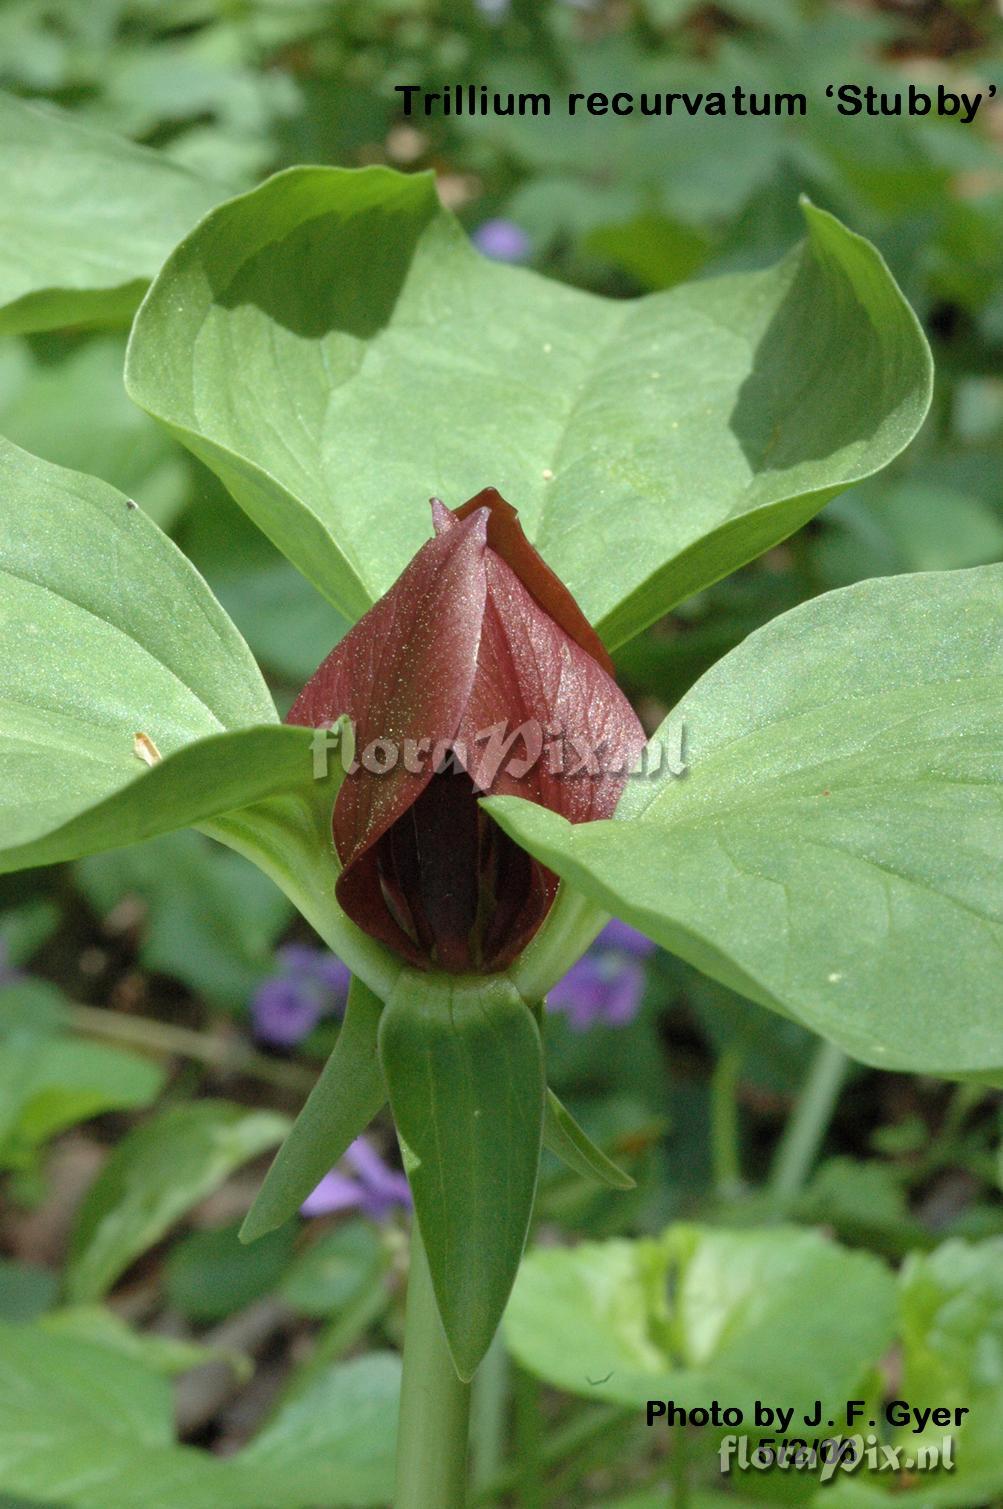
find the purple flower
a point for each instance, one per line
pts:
(607, 983)
(318, 966)
(285, 1010)
(309, 983)
(621, 936)
(502, 240)
(372, 1187)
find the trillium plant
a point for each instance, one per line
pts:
(461, 797)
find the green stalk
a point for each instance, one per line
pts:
(530, 1491)
(226, 1054)
(435, 1405)
(808, 1123)
(489, 1410)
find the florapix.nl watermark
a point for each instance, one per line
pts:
(826, 1457)
(499, 749)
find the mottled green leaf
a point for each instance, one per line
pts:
(106, 631)
(834, 848)
(334, 349)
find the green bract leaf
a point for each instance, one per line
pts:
(567, 1141)
(835, 846)
(85, 220)
(106, 632)
(463, 1064)
(156, 1174)
(699, 1314)
(712, 419)
(341, 1104)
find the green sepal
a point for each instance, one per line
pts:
(341, 1104)
(463, 1063)
(567, 1141)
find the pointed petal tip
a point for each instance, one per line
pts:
(442, 518)
(445, 519)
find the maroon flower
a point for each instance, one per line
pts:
(476, 673)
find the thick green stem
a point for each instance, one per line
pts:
(808, 1123)
(435, 1405)
(530, 1491)
(489, 1410)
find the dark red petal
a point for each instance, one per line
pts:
(531, 674)
(403, 673)
(477, 632)
(506, 539)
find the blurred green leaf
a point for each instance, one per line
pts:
(952, 1354)
(85, 1426)
(717, 418)
(212, 920)
(700, 1314)
(951, 1325)
(86, 219)
(69, 1080)
(835, 847)
(23, 929)
(157, 1173)
(910, 525)
(166, 1355)
(212, 1274)
(65, 402)
(656, 251)
(32, 1012)
(335, 1270)
(26, 1290)
(862, 1202)
(334, 1442)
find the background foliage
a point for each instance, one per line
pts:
(799, 1222)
